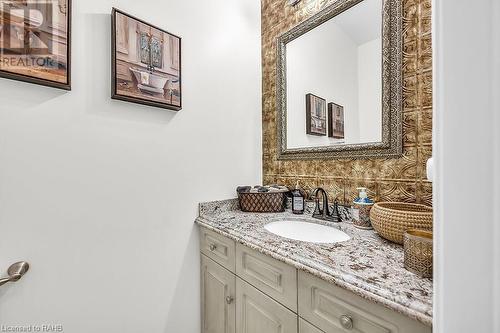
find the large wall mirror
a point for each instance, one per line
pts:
(339, 83)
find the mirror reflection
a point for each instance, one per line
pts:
(334, 80)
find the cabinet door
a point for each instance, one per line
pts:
(305, 327)
(218, 308)
(258, 313)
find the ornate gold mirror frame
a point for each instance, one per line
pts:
(392, 128)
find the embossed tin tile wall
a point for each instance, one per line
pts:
(401, 179)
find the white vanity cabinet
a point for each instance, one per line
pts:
(305, 327)
(258, 313)
(245, 291)
(219, 249)
(274, 278)
(218, 289)
(334, 309)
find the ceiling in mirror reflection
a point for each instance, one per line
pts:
(363, 22)
(339, 61)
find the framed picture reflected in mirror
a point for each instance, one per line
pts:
(315, 115)
(336, 126)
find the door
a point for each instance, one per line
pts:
(305, 327)
(217, 298)
(258, 313)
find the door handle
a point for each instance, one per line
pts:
(15, 272)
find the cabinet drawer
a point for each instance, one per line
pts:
(272, 277)
(305, 327)
(333, 310)
(218, 248)
(258, 313)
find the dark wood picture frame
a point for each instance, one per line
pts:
(311, 116)
(333, 132)
(115, 94)
(47, 82)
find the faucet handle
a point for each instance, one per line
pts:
(335, 215)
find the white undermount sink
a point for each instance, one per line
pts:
(307, 232)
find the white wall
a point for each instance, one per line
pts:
(495, 88)
(370, 91)
(466, 148)
(322, 62)
(100, 196)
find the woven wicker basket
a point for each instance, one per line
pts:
(392, 219)
(418, 252)
(270, 202)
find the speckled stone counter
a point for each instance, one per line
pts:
(367, 265)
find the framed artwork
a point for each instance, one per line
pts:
(35, 42)
(146, 63)
(315, 115)
(336, 121)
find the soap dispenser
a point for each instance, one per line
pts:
(361, 210)
(298, 205)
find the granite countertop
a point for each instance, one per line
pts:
(367, 265)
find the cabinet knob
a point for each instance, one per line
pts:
(229, 300)
(346, 322)
(213, 247)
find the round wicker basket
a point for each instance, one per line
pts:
(392, 219)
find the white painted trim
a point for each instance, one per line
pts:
(466, 187)
(437, 169)
(495, 92)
